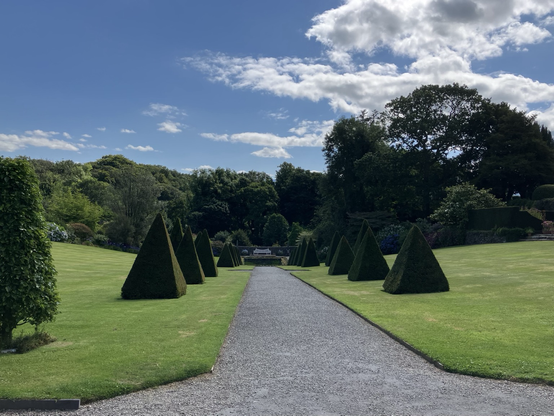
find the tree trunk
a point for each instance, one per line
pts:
(6, 334)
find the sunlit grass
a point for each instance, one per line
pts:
(496, 321)
(108, 346)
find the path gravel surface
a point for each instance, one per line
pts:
(292, 351)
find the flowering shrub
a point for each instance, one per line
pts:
(548, 227)
(56, 233)
(390, 244)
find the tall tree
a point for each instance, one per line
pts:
(275, 230)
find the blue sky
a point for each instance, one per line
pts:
(247, 85)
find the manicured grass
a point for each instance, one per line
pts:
(496, 321)
(107, 346)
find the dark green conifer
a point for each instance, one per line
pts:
(156, 273)
(197, 240)
(301, 252)
(332, 248)
(291, 256)
(234, 252)
(188, 260)
(342, 260)
(310, 256)
(205, 254)
(361, 235)
(369, 263)
(176, 234)
(226, 257)
(416, 270)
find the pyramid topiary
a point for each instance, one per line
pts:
(301, 252)
(332, 248)
(176, 234)
(188, 260)
(198, 239)
(416, 270)
(361, 235)
(369, 263)
(310, 256)
(291, 256)
(205, 254)
(226, 257)
(342, 260)
(155, 273)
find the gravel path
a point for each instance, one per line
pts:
(293, 351)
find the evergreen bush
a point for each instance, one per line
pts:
(332, 248)
(81, 231)
(360, 237)
(205, 254)
(291, 256)
(156, 273)
(187, 257)
(369, 263)
(301, 252)
(226, 257)
(543, 192)
(416, 270)
(310, 256)
(343, 258)
(176, 234)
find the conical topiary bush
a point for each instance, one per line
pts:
(188, 260)
(369, 263)
(176, 234)
(301, 252)
(291, 256)
(156, 273)
(205, 254)
(416, 270)
(294, 260)
(361, 235)
(332, 248)
(236, 255)
(226, 257)
(310, 256)
(342, 260)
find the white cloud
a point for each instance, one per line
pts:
(280, 114)
(205, 167)
(440, 39)
(187, 169)
(277, 152)
(127, 131)
(101, 128)
(34, 138)
(545, 117)
(216, 137)
(66, 135)
(170, 126)
(88, 136)
(140, 148)
(90, 146)
(82, 140)
(163, 109)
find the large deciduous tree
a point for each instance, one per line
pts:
(27, 283)
(275, 230)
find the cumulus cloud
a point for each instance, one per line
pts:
(140, 148)
(170, 126)
(157, 109)
(82, 140)
(440, 39)
(280, 114)
(101, 128)
(66, 135)
(88, 136)
(216, 137)
(90, 146)
(202, 167)
(127, 131)
(34, 138)
(276, 152)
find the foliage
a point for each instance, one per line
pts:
(67, 206)
(369, 263)
(188, 260)
(548, 227)
(226, 257)
(361, 235)
(155, 273)
(81, 231)
(544, 204)
(332, 248)
(275, 230)
(440, 236)
(239, 237)
(310, 258)
(482, 237)
(25, 343)
(343, 258)
(176, 235)
(27, 276)
(454, 209)
(295, 231)
(543, 192)
(56, 232)
(415, 270)
(222, 236)
(511, 234)
(391, 238)
(205, 254)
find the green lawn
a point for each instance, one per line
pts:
(497, 320)
(107, 346)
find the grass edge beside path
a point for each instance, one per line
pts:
(497, 321)
(107, 346)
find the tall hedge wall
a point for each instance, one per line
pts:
(509, 217)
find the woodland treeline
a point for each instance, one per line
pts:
(387, 167)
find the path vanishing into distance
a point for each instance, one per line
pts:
(292, 351)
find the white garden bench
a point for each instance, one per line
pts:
(262, 251)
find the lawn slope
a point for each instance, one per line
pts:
(107, 346)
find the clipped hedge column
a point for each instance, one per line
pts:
(416, 270)
(332, 248)
(369, 263)
(310, 257)
(205, 254)
(188, 260)
(361, 235)
(155, 273)
(342, 260)
(226, 257)
(176, 234)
